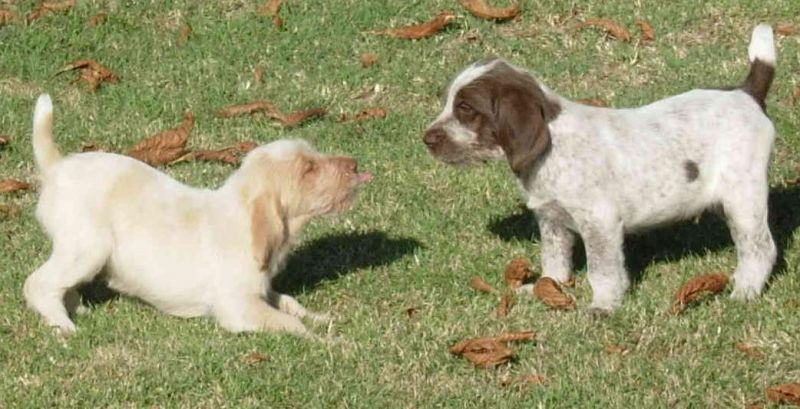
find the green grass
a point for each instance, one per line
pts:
(418, 232)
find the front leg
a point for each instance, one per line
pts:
(555, 249)
(603, 238)
(291, 306)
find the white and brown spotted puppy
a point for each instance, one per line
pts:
(602, 172)
(187, 251)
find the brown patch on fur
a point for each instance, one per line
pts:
(758, 81)
(692, 171)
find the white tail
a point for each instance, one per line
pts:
(44, 149)
(762, 45)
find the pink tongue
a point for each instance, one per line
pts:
(364, 177)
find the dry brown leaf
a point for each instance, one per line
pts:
(794, 97)
(648, 34)
(532, 379)
(6, 17)
(754, 405)
(480, 285)
(749, 350)
(787, 393)
(786, 29)
(5, 140)
(296, 118)
(616, 349)
(549, 292)
(97, 19)
(230, 154)
(47, 7)
(480, 9)
(696, 287)
(254, 358)
(517, 272)
(164, 147)
(609, 27)
(257, 74)
(595, 102)
(244, 109)
(183, 34)
(368, 59)
(272, 8)
(11, 185)
(411, 311)
(92, 73)
(506, 302)
(489, 351)
(417, 31)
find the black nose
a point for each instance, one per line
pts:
(433, 136)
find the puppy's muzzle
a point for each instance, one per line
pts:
(434, 136)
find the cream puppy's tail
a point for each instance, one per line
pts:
(44, 149)
(762, 64)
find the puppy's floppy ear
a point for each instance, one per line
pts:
(267, 227)
(521, 117)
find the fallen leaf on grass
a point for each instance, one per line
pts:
(489, 351)
(257, 74)
(296, 118)
(787, 393)
(368, 59)
(411, 311)
(786, 29)
(6, 17)
(595, 102)
(230, 154)
(97, 19)
(696, 287)
(244, 109)
(609, 27)
(749, 350)
(517, 272)
(92, 73)
(5, 140)
(480, 285)
(616, 349)
(648, 34)
(532, 379)
(183, 34)
(11, 185)
(272, 8)
(254, 358)
(506, 302)
(47, 7)
(374, 112)
(480, 9)
(549, 292)
(164, 147)
(417, 31)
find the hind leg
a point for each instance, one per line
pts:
(746, 216)
(250, 313)
(291, 306)
(74, 261)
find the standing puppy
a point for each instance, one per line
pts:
(603, 172)
(189, 252)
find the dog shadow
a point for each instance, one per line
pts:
(331, 257)
(325, 258)
(708, 234)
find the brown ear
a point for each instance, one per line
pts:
(521, 119)
(267, 228)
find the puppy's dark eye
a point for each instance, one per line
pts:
(465, 108)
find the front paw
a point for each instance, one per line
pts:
(598, 312)
(744, 293)
(320, 318)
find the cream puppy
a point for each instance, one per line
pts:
(187, 251)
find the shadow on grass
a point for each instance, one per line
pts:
(321, 259)
(676, 241)
(333, 256)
